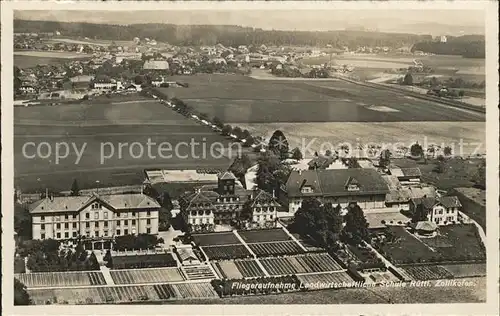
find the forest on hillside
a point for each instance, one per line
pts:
(195, 35)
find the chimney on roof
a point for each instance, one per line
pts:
(274, 193)
(46, 193)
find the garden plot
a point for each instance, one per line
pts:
(308, 263)
(280, 248)
(60, 279)
(139, 276)
(428, 272)
(239, 269)
(226, 252)
(214, 239)
(264, 235)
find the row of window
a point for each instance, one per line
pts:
(448, 219)
(259, 218)
(96, 216)
(197, 221)
(96, 224)
(264, 209)
(441, 212)
(96, 234)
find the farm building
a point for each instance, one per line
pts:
(442, 211)
(338, 186)
(186, 255)
(96, 217)
(223, 204)
(407, 175)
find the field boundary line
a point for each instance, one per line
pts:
(293, 237)
(253, 254)
(144, 269)
(209, 246)
(86, 271)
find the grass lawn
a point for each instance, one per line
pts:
(455, 243)
(407, 248)
(458, 241)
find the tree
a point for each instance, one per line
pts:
(266, 179)
(385, 158)
(479, 177)
(356, 226)
(238, 132)
(447, 151)
(420, 214)
(217, 122)
(278, 144)
(240, 165)
(434, 82)
(21, 296)
(352, 163)
(461, 93)
(408, 80)
(328, 153)
(75, 191)
(227, 130)
(416, 150)
(297, 154)
(441, 165)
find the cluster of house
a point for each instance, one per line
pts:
(220, 199)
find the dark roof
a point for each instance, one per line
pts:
(446, 201)
(262, 197)
(227, 175)
(411, 172)
(334, 182)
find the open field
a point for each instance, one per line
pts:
(300, 264)
(379, 295)
(139, 276)
(214, 239)
(470, 69)
(101, 128)
(62, 279)
(311, 136)
(27, 59)
(256, 236)
(123, 294)
(241, 99)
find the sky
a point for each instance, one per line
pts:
(405, 21)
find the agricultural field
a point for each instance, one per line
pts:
(214, 239)
(240, 99)
(140, 276)
(264, 235)
(122, 294)
(61, 279)
(320, 281)
(28, 59)
(309, 137)
(280, 248)
(300, 264)
(102, 127)
(226, 252)
(239, 269)
(466, 270)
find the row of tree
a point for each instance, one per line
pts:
(465, 47)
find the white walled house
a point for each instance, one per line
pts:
(94, 216)
(441, 211)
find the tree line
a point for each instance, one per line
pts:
(196, 35)
(463, 46)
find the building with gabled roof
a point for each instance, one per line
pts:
(94, 216)
(227, 203)
(440, 210)
(337, 186)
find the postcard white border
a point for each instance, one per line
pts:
(492, 123)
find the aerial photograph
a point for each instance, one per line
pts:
(241, 157)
